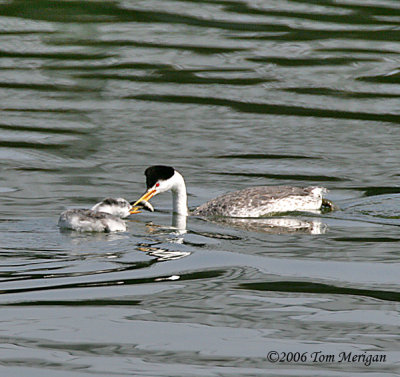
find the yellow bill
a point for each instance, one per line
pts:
(146, 196)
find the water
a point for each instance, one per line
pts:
(232, 94)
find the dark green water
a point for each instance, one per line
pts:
(233, 94)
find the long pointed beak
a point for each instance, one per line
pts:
(146, 196)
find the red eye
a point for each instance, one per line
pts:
(157, 184)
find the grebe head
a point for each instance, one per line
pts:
(115, 206)
(159, 179)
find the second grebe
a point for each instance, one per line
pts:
(105, 216)
(249, 202)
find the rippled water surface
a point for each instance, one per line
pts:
(233, 94)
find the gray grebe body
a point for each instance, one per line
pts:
(250, 202)
(105, 216)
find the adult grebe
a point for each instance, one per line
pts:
(250, 202)
(105, 216)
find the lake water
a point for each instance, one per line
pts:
(233, 94)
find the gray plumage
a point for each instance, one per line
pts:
(263, 200)
(87, 220)
(105, 216)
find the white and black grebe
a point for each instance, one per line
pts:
(105, 216)
(250, 202)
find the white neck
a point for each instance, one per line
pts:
(179, 222)
(179, 196)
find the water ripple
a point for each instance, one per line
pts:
(320, 289)
(266, 108)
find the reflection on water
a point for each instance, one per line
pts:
(234, 94)
(82, 237)
(162, 254)
(278, 225)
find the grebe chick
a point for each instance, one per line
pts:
(105, 216)
(250, 202)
